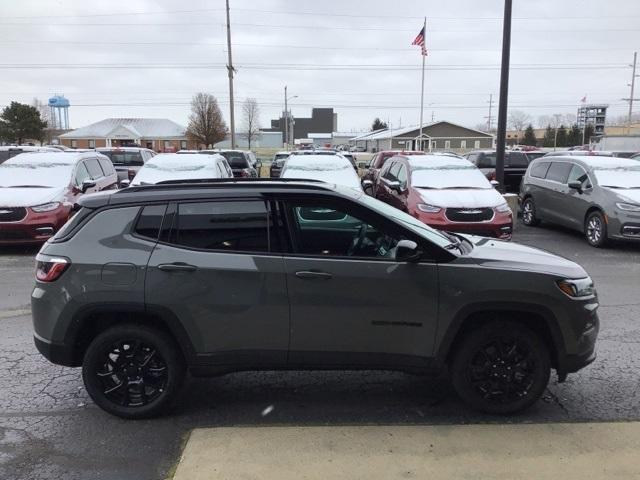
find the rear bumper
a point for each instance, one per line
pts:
(56, 353)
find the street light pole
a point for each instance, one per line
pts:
(230, 70)
(286, 121)
(504, 93)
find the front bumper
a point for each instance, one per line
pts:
(501, 226)
(34, 228)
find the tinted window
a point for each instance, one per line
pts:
(487, 160)
(125, 158)
(393, 171)
(236, 159)
(539, 170)
(150, 221)
(326, 231)
(230, 226)
(516, 159)
(94, 168)
(559, 172)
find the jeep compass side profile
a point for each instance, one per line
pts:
(150, 282)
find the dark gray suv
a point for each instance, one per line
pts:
(149, 282)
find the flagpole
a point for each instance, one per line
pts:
(422, 87)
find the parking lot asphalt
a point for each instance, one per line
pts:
(49, 428)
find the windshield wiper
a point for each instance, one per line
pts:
(27, 186)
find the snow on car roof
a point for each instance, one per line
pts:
(327, 168)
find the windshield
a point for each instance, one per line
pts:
(407, 220)
(618, 176)
(448, 176)
(235, 159)
(124, 158)
(35, 174)
(336, 172)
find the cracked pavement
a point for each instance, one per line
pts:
(50, 429)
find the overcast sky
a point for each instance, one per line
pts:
(315, 48)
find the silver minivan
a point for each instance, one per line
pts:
(598, 196)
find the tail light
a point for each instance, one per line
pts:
(131, 173)
(491, 176)
(49, 269)
(245, 172)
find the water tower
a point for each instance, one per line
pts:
(59, 106)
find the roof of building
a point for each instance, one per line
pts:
(160, 128)
(399, 132)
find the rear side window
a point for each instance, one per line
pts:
(150, 221)
(516, 159)
(539, 170)
(225, 226)
(559, 172)
(94, 168)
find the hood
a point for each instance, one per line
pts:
(631, 195)
(513, 256)
(461, 198)
(29, 197)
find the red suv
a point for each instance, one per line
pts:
(446, 193)
(39, 190)
(370, 176)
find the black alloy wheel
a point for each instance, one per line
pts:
(133, 371)
(501, 368)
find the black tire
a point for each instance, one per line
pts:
(514, 382)
(133, 371)
(529, 213)
(595, 229)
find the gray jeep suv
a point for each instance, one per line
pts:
(213, 277)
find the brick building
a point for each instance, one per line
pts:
(159, 134)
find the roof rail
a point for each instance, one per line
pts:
(227, 182)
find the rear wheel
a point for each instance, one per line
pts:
(595, 229)
(501, 368)
(133, 371)
(529, 213)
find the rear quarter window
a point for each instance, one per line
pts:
(150, 221)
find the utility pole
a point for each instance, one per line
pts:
(488, 117)
(230, 70)
(632, 85)
(286, 121)
(504, 93)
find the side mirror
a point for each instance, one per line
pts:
(407, 251)
(86, 185)
(124, 183)
(367, 186)
(494, 183)
(575, 185)
(394, 185)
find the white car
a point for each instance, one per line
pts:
(174, 166)
(327, 168)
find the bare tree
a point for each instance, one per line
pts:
(251, 120)
(43, 109)
(206, 125)
(518, 120)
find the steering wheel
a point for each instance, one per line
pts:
(359, 240)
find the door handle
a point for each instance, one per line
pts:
(311, 275)
(177, 267)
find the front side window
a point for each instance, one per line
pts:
(577, 174)
(402, 175)
(225, 226)
(82, 174)
(559, 172)
(322, 230)
(94, 168)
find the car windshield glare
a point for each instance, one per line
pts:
(618, 176)
(40, 174)
(448, 176)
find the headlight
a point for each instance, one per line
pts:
(423, 207)
(628, 207)
(503, 207)
(582, 287)
(45, 207)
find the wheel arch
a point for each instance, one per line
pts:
(94, 319)
(536, 317)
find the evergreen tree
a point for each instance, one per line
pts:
(20, 122)
(378, 124)
(589, 131)
(549, 135)
(561, 136)
(575, 136)
(529, 137)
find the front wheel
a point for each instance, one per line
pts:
(501, 368)
(133, 371)
(595, 229)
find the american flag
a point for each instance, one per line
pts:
(419, 40)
